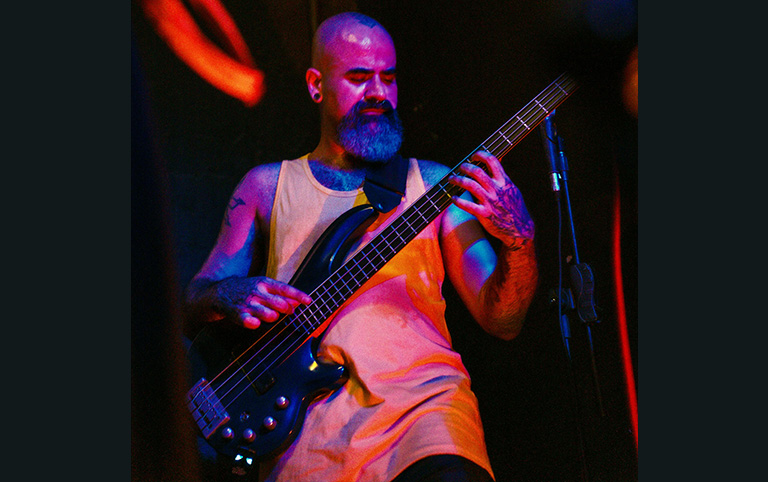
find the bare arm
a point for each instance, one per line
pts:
(496, 287)
(223, 288)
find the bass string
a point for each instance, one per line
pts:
(305, 318)
(551, 97)
(500, 142)
(329, 291)
(506, 138)
(317, 312)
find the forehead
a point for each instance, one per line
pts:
(360, 46)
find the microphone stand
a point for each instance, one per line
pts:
(578, 298)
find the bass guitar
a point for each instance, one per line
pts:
(250, 389)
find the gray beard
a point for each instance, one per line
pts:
(371, 138)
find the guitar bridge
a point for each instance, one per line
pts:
(206, 408)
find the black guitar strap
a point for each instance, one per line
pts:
(385, 183)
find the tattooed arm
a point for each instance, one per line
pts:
(496, 287)
(223, 288)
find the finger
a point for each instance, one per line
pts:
(478, 210)
(261, 300)
(256, 314)
(494, 165)
(287, 291)
(249, 321)
(479, 175)
(472, 186)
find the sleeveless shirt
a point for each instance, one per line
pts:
(408, 395)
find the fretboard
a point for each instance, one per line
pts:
(338, 287)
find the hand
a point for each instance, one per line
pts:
(498, 204)
(250, 301)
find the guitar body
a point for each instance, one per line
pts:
(250, 389)
(261, 414)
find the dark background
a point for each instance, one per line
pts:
(464, 68)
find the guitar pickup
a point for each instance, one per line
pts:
(206, 408)
(263, 383)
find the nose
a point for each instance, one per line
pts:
(376, 90)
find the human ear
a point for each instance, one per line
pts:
(315, 84)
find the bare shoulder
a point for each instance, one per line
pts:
(257, 188)
(261, 178)
(432, 172)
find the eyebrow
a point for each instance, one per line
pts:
(362, 70)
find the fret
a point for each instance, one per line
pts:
(295, 320)
(367, 261)
(381, 260)
(321, 308)
(426, 221)
(402, 240)
(376, 263)
(383, 248)
(345, 285)
(417, 216)
(505, 138)
(434, 205)
(405, 235)
(308, 326)
(356, 265)
(314, 319)
(345, 281)
(338, 288)
(447, 194)
(335, 301)
(389, 246)
(365, 267)
(407, 225)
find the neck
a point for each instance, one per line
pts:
(333, 156)
(336, 170)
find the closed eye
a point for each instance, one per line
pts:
(389, 76)
(358, 75)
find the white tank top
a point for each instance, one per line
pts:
(408, 395)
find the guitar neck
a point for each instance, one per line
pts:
(338, 287)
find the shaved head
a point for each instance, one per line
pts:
(344, 26)
(353, 79)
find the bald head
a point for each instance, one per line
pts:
(343, 28)
(353, 79)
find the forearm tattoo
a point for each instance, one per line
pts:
(516, 222)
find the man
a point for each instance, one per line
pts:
(407, 411)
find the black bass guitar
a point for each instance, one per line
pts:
(251, 388)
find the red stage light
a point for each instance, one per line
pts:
(238, 76)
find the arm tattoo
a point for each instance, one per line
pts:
(233, 203)
(517, 222)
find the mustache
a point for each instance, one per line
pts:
(384, 105)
